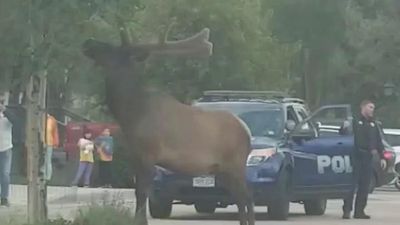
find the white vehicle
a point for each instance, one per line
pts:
(393, 138)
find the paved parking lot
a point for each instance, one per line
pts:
(384, 207)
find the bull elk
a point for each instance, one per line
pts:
(162, 131)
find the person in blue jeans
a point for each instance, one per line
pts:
(86, 147)
(7, 118)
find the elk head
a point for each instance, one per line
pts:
(111, 56)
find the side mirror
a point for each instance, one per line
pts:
(290, 125)
(318, 125)
(345, 129)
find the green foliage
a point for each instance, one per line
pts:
(258, 44)
(316, 23)
(246, 55)
(318, 26)
(104, 215)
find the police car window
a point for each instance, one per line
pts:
(291, 115)
(392, 139)
(266, 123)
(302, 115)
(331, 116)
(262, 120)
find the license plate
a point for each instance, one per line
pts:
(206, 181)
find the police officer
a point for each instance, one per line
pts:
(368, 142)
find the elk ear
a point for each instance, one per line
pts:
(124, 33)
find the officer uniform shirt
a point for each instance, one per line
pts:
(367, 136)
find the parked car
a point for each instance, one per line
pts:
(286, 165)
(393, 137)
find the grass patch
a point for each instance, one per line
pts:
(103, 215)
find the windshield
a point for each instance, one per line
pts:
(263, 120)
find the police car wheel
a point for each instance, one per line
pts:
(159, 208)
(205, 207)
(315, 207)
(397, 183)
(278, 209)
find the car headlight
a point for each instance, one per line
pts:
(255, 160)
(258, 156)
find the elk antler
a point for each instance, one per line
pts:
(197, 45)
(164, 36)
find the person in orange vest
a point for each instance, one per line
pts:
(51, 141)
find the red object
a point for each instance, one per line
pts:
(74, 131)
(388, 155)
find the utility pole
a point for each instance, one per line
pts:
(42, 139)
(36, 92)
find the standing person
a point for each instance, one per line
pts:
(86, 147)
(367, 142)
(51, 142)
(105, 146)
(7, 118)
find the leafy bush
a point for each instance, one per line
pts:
(102, 215)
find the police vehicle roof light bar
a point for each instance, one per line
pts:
(294, 100)
(245, 94)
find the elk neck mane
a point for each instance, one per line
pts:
(126, 95)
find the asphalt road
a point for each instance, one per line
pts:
(384, 207)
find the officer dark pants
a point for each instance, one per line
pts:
(362, 173)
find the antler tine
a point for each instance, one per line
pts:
(123, 32)
(196, 45)
(164, 35)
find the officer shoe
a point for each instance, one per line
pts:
(361, 216)
(346, 215)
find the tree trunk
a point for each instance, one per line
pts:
(37, 211)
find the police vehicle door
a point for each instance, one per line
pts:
(303, 160)
(323, 163)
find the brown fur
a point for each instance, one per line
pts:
(168, 133)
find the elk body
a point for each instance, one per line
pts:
(162, 131)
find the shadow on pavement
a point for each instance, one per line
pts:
(261, 216)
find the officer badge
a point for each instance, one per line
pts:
(372, 124)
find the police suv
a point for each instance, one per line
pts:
(295, 158)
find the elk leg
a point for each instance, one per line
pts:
(237, 186)
(250, 209)
(144, 178)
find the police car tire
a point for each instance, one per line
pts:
(278, 209)
(159, 208)
(205, 207)
(397, 183)
(315, 207)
